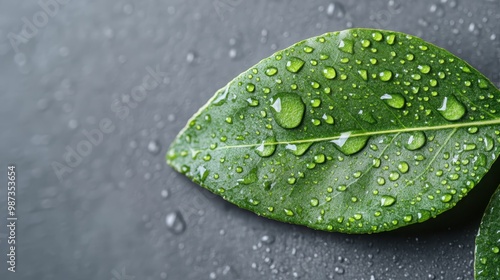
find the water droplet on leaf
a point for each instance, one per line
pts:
(452, 109)
(266, 148)
(314, 202)
(290, 111)
(364, 74)
(294, 64)
(300, 149)
(424, 68)
(403, 167)
(414, 140)
(446, 198)
(377, 36)
(350, 145)
(393, 176)
(387, 200)
(271, 71)
(346, 45)
(395, 100)
(385, 75)
(329, 73)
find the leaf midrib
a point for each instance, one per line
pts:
(369, 133)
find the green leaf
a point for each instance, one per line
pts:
(356, 131)
(487, 255)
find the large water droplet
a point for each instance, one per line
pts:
(395, 100)
(319, 158)
(387, 200)
(288, 109)
(252, 102)
(271, 71)
(346, 45)
(175, 222)
(452, 109)
(390, 39)
(202, 173)
(424, 68)
(268, 239)
(469, 147)
(364, 74)
(365, 43)
(489, 143)
(154, 147)
(385, 75)
(495, 249)
(335, 9)
(314, 202)
(328, 119)
(407, 218)
(403, 167)
(377, 36)
(446, 198)
(294, 64)
(300, 149)
(350, 145)
(482, 83)
(266, 148)
(315, 102)
(250, 87)
(414, 140)
(164, 194)
(329, 72)
(393, 176)
(423, 215)
(380, 181)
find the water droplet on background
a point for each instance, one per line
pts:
(175, 222)
(268, 239)
(190, 57)
(335, 10)
(154, 147)
(164, 193)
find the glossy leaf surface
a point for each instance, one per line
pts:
(487, 256)
(356, 131)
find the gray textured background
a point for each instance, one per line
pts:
(121, 213)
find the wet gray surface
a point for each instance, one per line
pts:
(118, 212)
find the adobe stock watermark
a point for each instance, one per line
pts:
(74, 155)
(382, 18)
(223, 6)
(31, 26)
